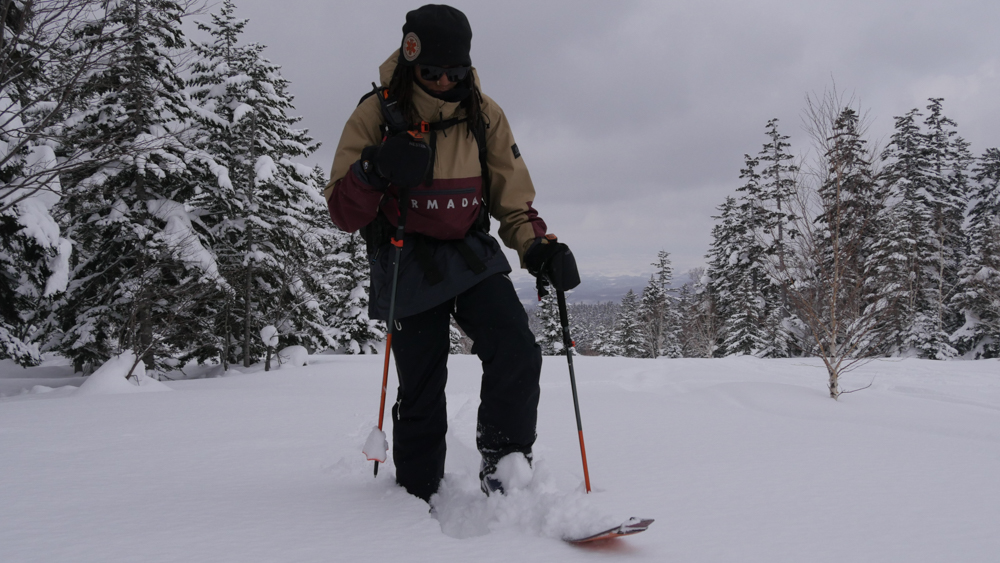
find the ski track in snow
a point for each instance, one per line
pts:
(738, 459)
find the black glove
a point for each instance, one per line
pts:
(548, 259)
(403, 160)
(365, 169)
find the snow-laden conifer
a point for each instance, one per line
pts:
(948, 194)
(263, 208)
(658, 311)
(44, 60)
(354, 331)
(926, 177)
(718, 284)
(698, 320)
(850, 199)
(626, 339)
(978, 297)
(142, 262)
(776, 194)
(737, 269)
(592, 323)
(549, 332)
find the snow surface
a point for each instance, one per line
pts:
(737, 459)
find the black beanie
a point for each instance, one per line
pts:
(437, 35)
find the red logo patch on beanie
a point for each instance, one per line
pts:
(411, 47)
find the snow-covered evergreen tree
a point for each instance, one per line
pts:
(592, 323)
(652, 314)
(948, 192)
(776, 187)
(269, 219)
(738, 272)
(549, 334)
(658, 311)
(455, 339)
(902, 250)
(850, 204)
(698, 319)
(766, 325)
(627, 338)
(356, 332)
(33, 253)
(927, 178)
(140, 264)
(717, 279)
(978, 298)
(776, 195)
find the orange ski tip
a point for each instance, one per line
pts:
(629, 527)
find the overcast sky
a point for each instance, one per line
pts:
(633, 117)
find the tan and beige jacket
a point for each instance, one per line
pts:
(446, 209)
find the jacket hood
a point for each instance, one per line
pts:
(386, 69)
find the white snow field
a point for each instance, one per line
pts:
(739, 459)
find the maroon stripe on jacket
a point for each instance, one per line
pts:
(353, 203)
(537, 223)
(445, 210)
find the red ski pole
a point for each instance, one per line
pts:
(397, 241)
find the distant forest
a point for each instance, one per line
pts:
(859, 253)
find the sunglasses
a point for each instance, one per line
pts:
(454, 74)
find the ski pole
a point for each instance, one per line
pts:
(397, 241)
(568, 345)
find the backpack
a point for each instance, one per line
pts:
(380, 231)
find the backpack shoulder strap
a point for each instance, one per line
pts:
(479, 132)
(375, 90)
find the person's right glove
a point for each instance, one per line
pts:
(551, 260)
(401, 160)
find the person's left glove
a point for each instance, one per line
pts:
(551, 260)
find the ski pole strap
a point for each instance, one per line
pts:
(541, 286)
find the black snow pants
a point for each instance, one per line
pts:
(491, 315)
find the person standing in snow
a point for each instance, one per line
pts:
(459, 164)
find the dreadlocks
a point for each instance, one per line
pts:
(401, 88)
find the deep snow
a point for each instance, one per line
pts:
(738, 459)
